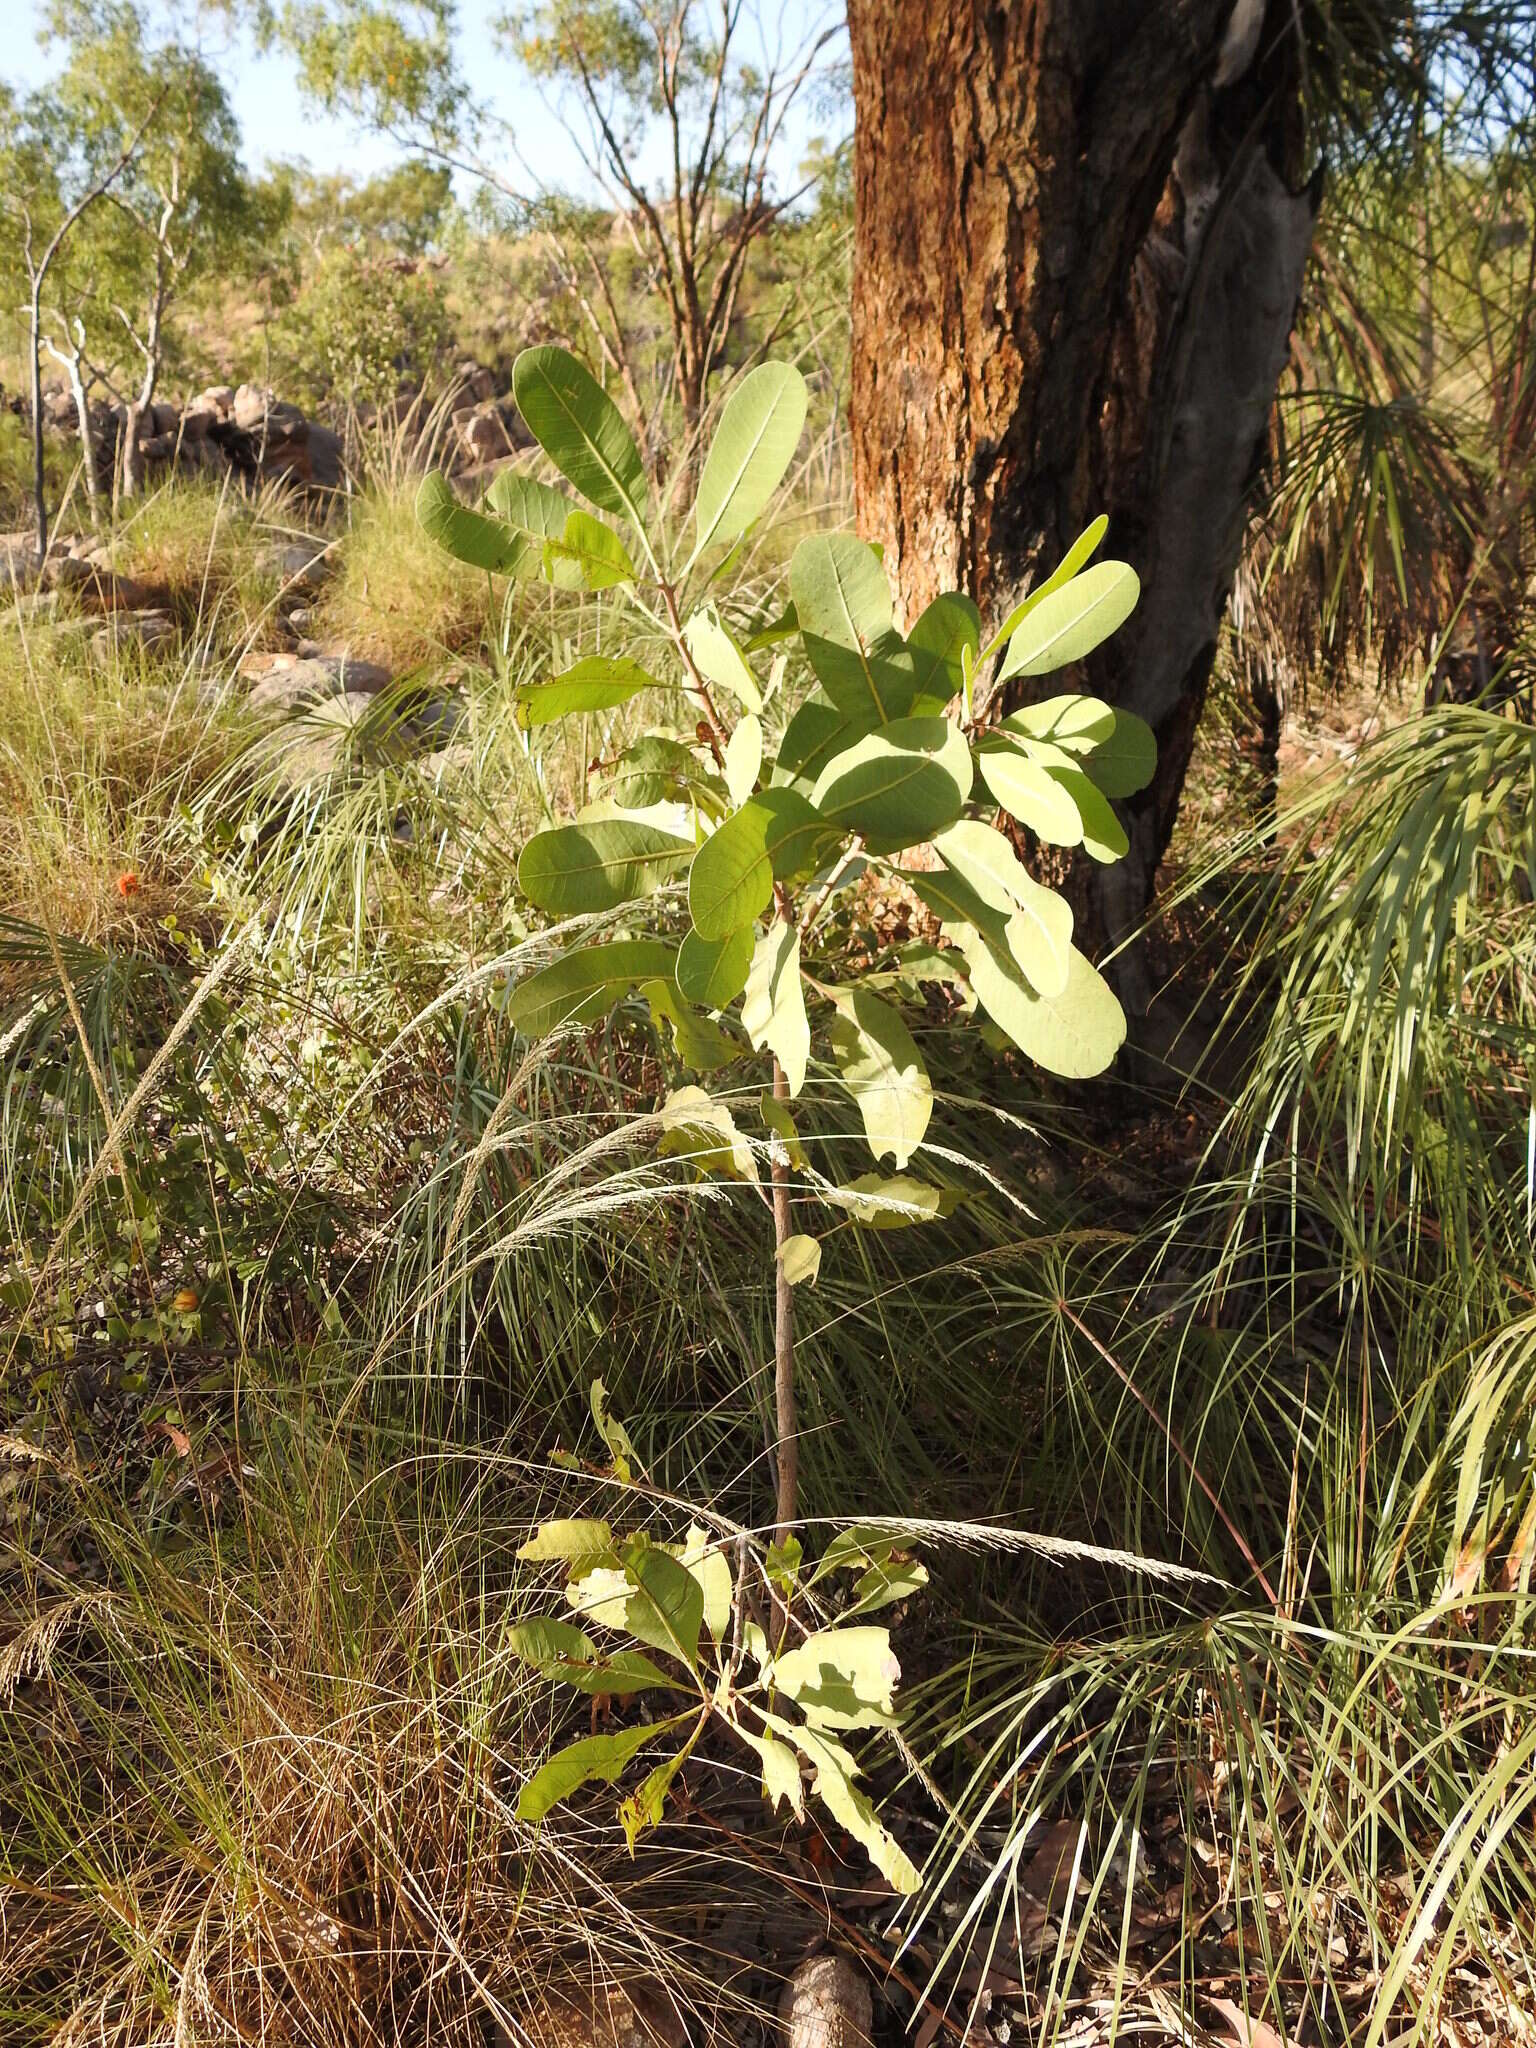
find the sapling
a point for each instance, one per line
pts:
(886, 765)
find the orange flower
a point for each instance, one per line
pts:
(127, 885)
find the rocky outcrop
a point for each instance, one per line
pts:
(248, 431)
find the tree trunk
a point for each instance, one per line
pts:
(87, 435)
(1077, 258)
(35, 378)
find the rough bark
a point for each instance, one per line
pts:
(1077, 261)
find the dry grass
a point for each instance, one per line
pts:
(396, 598)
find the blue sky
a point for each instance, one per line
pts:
(277, 124)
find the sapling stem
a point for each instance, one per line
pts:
(783, 1327)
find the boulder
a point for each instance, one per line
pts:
(152, 631)
(218, 399)
(248, 407)
(198, 422)
(315, 679)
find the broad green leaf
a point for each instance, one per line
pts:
(529, 507)
(887, 1580)
(591, 552)
(595, 1759)
(883, 1071)
(647, 1804)
(759, 429)
(598, 683)
(657, 770)
(781, 1770)
(698, 1041)
(773, 1009)
(743, 759)
(570, 1657)
(775, 833)
(898, 785)
(938, 641)
(713, 972)
(706, 1560)
(1070, 622)
(1103, 834)
(1127, 760)
(698, 1128)
(817, 731)
(1082, 550)
(800, 1256)
(841, 1677)
(668, 1610)
(1029, 792)
(1074, 722)
(1075, 1034)
(570, 1541)
(719, 658)
(612, 1432)
(843, 604)
(580, 429)
(585, 984)
(833, 1785)
(891, 1201)
(578, 868)
(984, 859)
(467, 536)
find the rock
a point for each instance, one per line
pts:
(248, 407)
(488, 434)
(314, 745)
(158, 448)
(313, 680)
(161, 418)
(326, 467)
(449, 764)
(302, 564)
(826, 2004)
(197, 423)
(152, 631)
(637, 2014)
(218, 399)
(478, 382)
(19, 566)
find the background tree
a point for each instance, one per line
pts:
(1077, 293)
(49, 183)
(183, 207)
(679, 112)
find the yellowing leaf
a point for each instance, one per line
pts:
(773, 1008)
(800, 1256)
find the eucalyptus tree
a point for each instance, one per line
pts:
(49, 184)
(1082, 230)
(181, 204)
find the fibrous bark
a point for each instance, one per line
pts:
(1078, 253)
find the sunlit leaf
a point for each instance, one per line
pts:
(580, 429)
(898, 785)
(598, 683)
(585, 984)
(713, 972)
(1068, 623)
(754, 443)
(800, 1257)
(883, 1071)
(773, 1009)
(843, 604)
(719, 659)
(578, 868)
(468, 536)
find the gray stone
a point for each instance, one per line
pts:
(152, 631)
(315, 679)
(19, 565)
